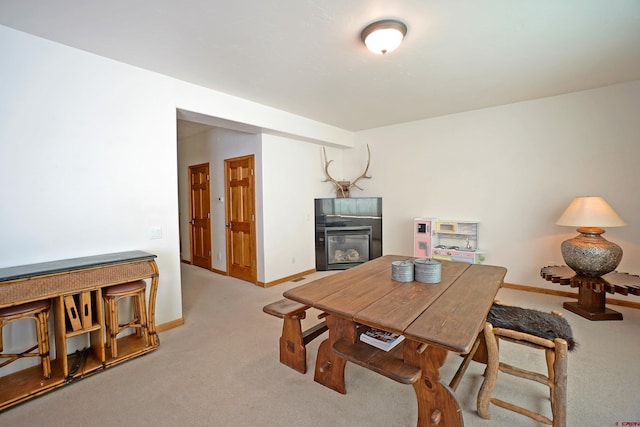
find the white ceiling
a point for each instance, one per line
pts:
(306, 57)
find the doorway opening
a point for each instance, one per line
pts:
(208, 140)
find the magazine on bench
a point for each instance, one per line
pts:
(381, 339)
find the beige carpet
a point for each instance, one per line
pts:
(221, 369)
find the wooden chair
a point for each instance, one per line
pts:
(111, 296)
(39, 312)
(555, 351)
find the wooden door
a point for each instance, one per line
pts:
(200, 216)
(241, 218)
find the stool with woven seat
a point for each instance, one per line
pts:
(39, 312)
(111, 296)
(548, 332)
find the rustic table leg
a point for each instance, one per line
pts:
(329, 367)
(437, 404)
(591, 305)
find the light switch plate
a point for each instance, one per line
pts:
(155, 232)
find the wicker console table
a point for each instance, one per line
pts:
(592, 290)
(63, 281)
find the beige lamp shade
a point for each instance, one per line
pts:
(590, 212)
(589, 254)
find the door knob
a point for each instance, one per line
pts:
(193, 221)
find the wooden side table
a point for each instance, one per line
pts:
(592, 290)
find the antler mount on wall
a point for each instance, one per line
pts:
(343, 188)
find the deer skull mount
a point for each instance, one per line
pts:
(343, 188)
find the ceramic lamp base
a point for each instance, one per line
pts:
(589, 254)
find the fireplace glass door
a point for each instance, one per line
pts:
(347, 246)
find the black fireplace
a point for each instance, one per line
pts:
(348, 232)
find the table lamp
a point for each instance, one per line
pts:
(589, 254)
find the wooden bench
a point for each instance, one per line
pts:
(293, 342)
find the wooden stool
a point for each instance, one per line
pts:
(555, 350)
(39, 312)
(112, 295)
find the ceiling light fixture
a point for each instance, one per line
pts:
(383, 36)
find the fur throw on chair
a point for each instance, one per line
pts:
(533, 322)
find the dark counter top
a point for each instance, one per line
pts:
(60, 266)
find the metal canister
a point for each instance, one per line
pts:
(402, 271)
(427, 270)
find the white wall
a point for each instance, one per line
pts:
(88, 158)
(292, 178)
(515, 168)
(85, 146)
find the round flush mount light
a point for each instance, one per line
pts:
(383, 36)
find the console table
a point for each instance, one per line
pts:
(66, 281)
(591, 290)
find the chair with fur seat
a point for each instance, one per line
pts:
(550, 333)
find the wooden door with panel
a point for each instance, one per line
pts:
(200, 216)
(241, 218)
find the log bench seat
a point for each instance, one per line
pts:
(293, 341)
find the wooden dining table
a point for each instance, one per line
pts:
(435, 319)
